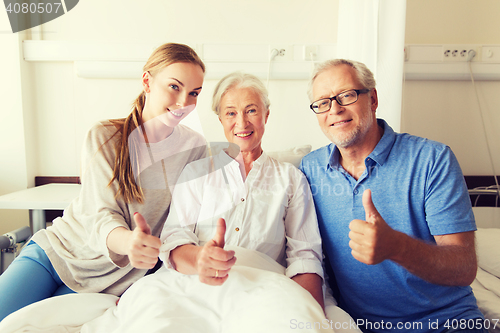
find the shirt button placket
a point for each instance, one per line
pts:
(237, 229)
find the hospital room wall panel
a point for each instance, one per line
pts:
(13, 159)
(55, 119)
(97, 100)
(452, 22)
(245, 21)
(291, 122)
(448, 112)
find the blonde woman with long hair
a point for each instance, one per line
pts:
(108, 237)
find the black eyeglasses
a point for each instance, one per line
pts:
(344, 98)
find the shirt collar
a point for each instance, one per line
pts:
(261, 160)
(384, 146)
(379, 154)
(226, 159)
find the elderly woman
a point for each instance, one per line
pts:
(256, 202)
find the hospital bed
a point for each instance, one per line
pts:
(486, 286)
(10, 245)
(69, 313)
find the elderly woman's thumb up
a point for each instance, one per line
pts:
(214, 263)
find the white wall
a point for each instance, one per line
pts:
(448, 111)
(14, 166)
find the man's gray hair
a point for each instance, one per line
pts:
(239, 80)
(363, 74)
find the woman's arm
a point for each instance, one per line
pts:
(304, 254)
(313, 283)
(97, 211)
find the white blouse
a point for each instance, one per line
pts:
(272, 211)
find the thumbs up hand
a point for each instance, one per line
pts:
(143, 248)
(220, 233)
(372, 241)
(213, 263)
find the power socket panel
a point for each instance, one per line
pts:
(460, 53)
(285, 52)
(491, 53)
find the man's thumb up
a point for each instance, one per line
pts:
(141, 223)
(220, 233)
(371, 213)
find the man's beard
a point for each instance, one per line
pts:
(355, 135)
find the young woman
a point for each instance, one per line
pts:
(108, 236)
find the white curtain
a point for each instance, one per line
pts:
(373, 32)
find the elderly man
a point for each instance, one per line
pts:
(394, 213)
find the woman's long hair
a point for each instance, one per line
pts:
(163, 56)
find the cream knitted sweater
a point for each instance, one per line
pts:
(76, 242)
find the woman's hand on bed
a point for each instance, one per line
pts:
(213, 263)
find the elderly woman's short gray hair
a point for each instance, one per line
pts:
(239, 80)
(364, 75)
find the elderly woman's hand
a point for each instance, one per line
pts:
(213, 263)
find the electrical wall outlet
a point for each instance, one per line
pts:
(310, 52)
(460, 53)
(285, 52)
(490, 53)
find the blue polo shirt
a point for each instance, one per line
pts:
(418, 188)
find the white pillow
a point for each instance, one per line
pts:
(488, 250)
(293, 155)
(487, 217)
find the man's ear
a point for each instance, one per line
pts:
(146, 80)
(374, 99)
(267, 116)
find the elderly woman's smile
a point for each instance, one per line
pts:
(244, 134)
(243, 115)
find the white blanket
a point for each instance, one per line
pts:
(257, 297)
(486, 288)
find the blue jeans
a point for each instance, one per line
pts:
(28, 279)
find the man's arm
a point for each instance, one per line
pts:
(451, 261)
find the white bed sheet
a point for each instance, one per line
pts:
(256, 298)
(486, 286)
